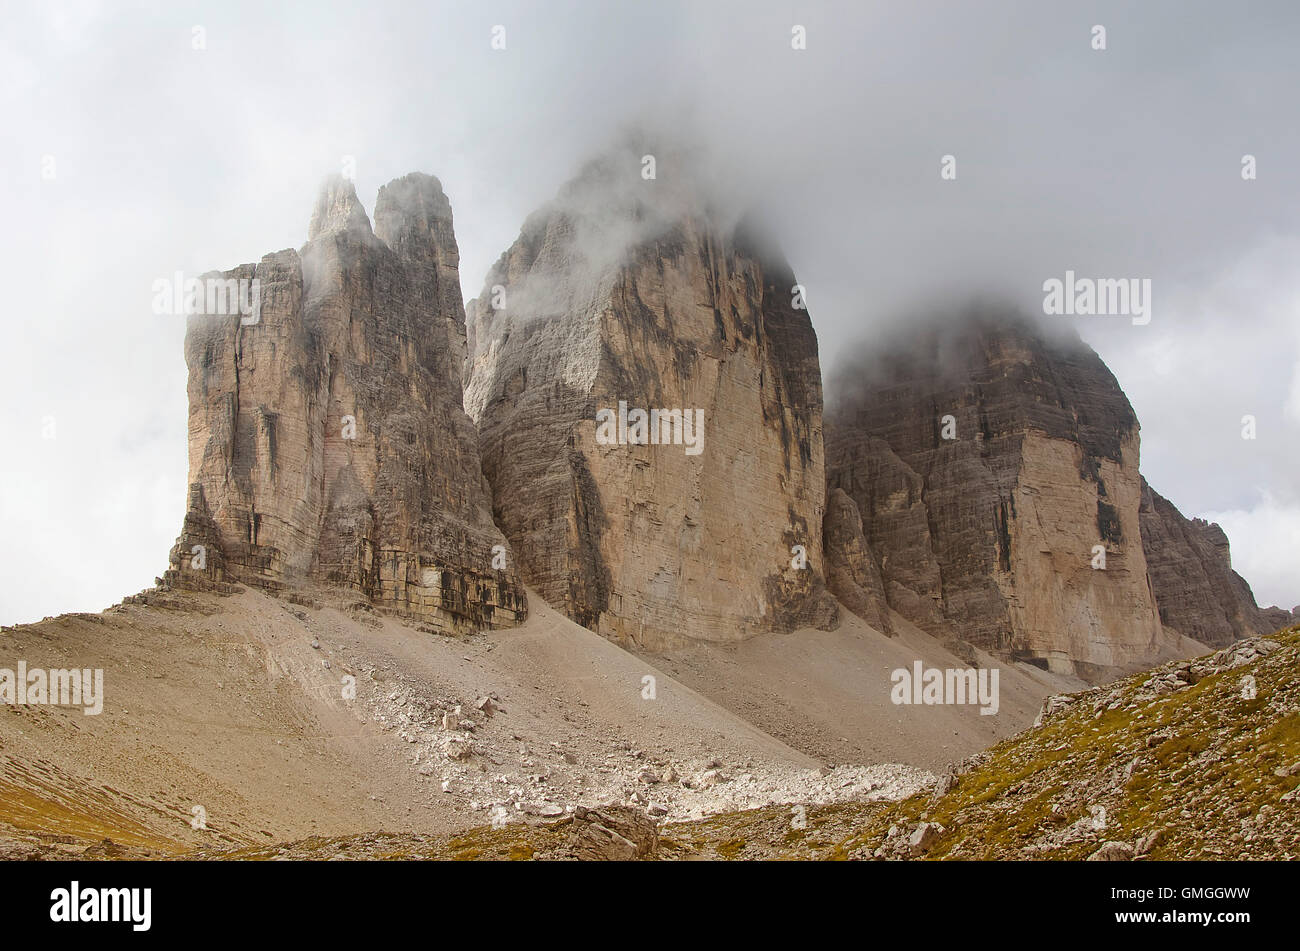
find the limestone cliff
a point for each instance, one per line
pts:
(995, 468)
(993, 462)
(851, 571)
(327, 436)
(626, 295)
(1198, 593)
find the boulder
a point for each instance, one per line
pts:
(612, 833)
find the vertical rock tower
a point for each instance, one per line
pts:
(328, 441)
(636, 291)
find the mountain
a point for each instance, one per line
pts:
(629, 419)
(993, 464)
(627, 296)
(1198, 593)
(725, 594)
(328, 442)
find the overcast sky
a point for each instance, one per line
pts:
(127, 154)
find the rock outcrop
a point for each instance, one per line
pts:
(625, 296)
(993, 461)
(612, 833)
(328, 441)
(995, 468)
(851, 572)
(1198, 593)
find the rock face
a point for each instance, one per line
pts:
(851, 572)
(993, 462)
(1198, 593)
(327, 436)
(996, 471)
(625, 295)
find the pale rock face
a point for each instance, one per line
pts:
(328, 442)
(994, 533)
(616, 293)
(1068, 611)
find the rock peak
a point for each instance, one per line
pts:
(629, 291)
(337, 209)
(413, 217)
(329, 445)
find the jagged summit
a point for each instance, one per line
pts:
(338, 209)
(413, 217)
(328, 443)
